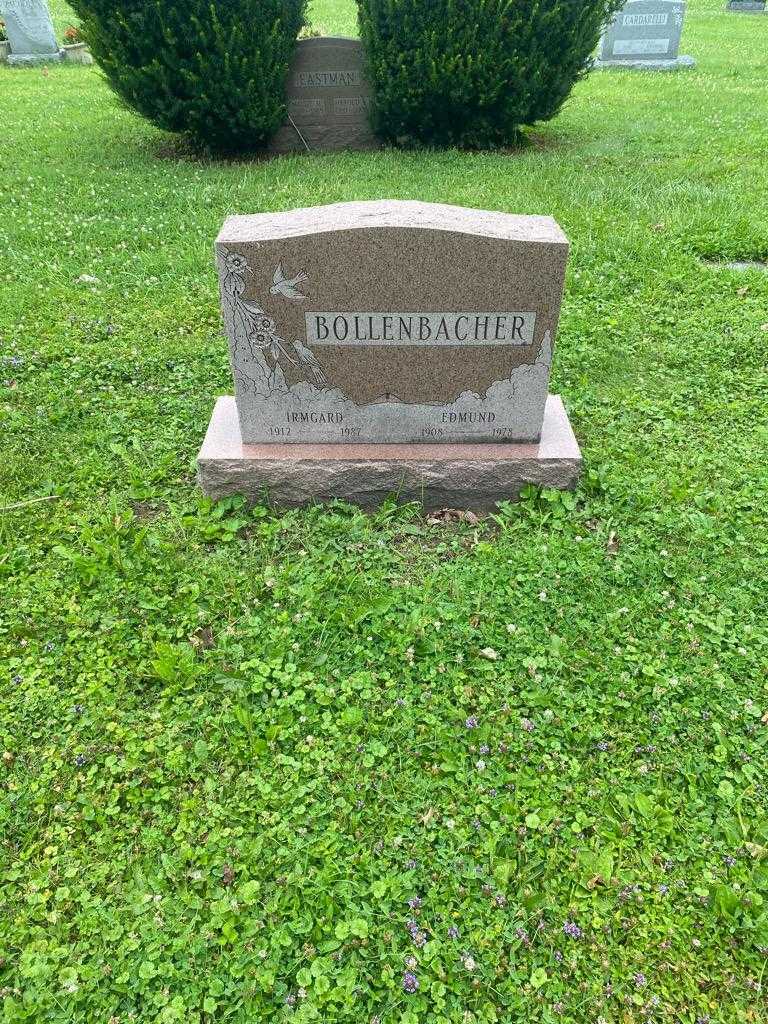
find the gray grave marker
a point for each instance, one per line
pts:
(328, 98)
(645, 34)
(30, 32)
(391, 322)
(390, 346)
(747, 6)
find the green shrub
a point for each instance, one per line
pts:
(214, 69)
(471, 72)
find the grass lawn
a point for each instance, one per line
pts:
(252, 763)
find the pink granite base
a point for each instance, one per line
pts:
(466, 476)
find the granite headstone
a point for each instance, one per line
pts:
(328, 98)
(391, 322)
(645, 34)
(747, 6)
(389, 349)
(30, 32)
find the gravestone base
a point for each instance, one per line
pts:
(28, 60)
(470, 477)
(638, 64)
(322, 138)
(747, 7)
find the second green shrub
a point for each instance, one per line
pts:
(470, 73)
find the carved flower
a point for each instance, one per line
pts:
(235, 263)
(261, 339)
(264, 323)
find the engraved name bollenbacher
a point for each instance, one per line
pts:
(420, 329)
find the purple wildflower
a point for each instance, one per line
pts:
(419, 939)
(472, 722)
(485, 749)
(527, 724)
(640, 980)
(410, 982)
(412, 926)
(415, 903)
(453, 932)
(729, 861)
(80, 760)
(572, 930)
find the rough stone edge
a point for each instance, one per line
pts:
(390, 213)
(21, 60)
(646, 65)
(466, 476)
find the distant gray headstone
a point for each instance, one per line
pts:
(30, 31)
(328, 98)
(645, 34)
(747, 6)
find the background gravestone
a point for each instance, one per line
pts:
(747, 6)
(328, 98)
(30, 32)
(645, 34)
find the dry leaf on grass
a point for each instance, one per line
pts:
(452, 515)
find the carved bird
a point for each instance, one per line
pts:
(308, 361)
(281, 285)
